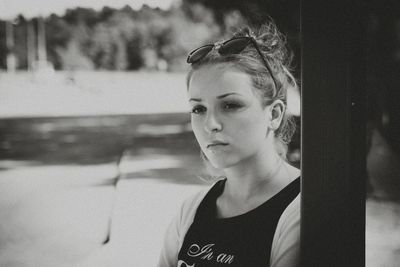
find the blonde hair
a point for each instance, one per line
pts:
(273, 46)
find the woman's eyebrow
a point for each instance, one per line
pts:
(218, 97)
(225, 95)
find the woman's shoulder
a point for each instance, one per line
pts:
(289, 223)
(291, 213)
(292, 210)
(178, 227)
(286, 243)
(190, 204)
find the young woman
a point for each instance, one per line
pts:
(251, 216)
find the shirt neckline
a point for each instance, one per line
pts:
(218, 188)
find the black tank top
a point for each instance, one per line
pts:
(241, 241)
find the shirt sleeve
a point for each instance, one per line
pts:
(285, 250)
(177, 229)
(170, 248)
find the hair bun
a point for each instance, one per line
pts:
(270, 40)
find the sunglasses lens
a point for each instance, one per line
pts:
(199, 53)
(234, 46)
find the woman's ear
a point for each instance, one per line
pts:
(276, 111)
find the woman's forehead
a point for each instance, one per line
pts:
(217, 80)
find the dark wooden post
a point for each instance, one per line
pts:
(333, 134)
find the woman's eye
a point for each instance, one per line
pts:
(198, 110)
(231, 106)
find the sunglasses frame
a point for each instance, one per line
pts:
(219, 46)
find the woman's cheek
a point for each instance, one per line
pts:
(250, 131)
(197, 129)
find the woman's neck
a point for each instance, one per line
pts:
(262, 175)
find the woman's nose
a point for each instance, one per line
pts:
(212, 123)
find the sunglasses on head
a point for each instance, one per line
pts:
(231, 46)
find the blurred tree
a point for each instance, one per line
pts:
(3, 47)
(58, 37)
(285, 13)
(121, 39)
(186, 34)
(230, 14)
(134, 53)
(106, 12)
(72, 51)
(101, 47)
(72, 58)
(79, 15)
(20, 37)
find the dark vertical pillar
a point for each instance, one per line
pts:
(333, 133)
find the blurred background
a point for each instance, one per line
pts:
(96, 147)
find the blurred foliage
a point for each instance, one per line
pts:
(151, 38)
(115, 39)
(285, 13)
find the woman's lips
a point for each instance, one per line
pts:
(216, 145)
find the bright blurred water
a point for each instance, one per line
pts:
(24, 94)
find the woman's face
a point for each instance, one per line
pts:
(228, 119)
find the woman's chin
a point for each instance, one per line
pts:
(221, 163)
